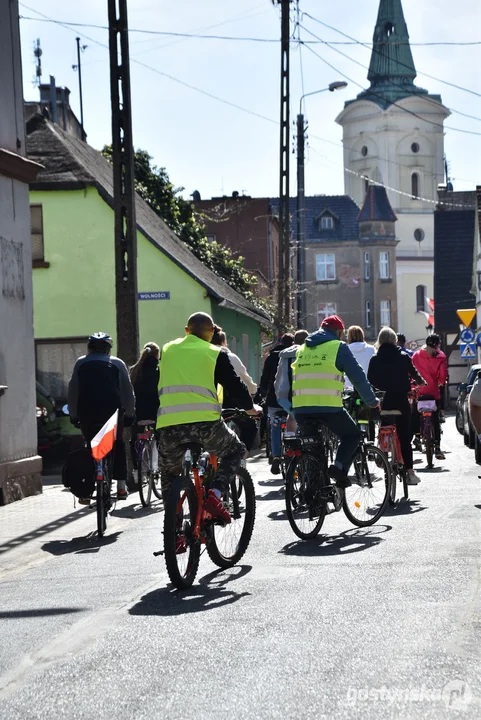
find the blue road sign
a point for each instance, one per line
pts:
(467, 350)
(478, 339)
(157, 295)
(467, 335)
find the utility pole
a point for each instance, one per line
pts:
(125, 231)
(79, 69)
(301, 222)
(283, 282)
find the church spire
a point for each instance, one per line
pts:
(391, 59)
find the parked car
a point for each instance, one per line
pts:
(48, 426)
(463, 422)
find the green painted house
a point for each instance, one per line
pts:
(73, 264)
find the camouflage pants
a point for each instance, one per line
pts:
(215, 437)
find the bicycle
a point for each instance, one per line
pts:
(388, 442)
(426, 406)
(310, 494)
(147, 463)
(103, 487)
(187, 523)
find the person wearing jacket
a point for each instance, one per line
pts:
(360, 349)
(431, 363)
(283, 389)
(100, 385)
(191, 369)
(144, 376)
(392, 371)
(266, 390)
(316, 391)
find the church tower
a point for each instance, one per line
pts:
(393, 135)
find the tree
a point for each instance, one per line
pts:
(154, 186)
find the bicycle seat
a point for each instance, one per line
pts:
(385, 413)
(145, 423)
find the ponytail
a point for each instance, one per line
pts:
(149, 348)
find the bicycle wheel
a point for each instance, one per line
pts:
(228, 543)
(156, 477)
(102, 506)
(367, 498)
(428, 435)
(181, 548)
(305, 506)
(404, 473)
(145, 473)
(391, 454)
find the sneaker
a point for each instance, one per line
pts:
(413, 479)
(339, 476)
(180, 546)
(84, 501)
(276, 466)
(438, 454)
(122, 494)
(215, 507)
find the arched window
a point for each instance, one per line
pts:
(420, 298)
(415, 185)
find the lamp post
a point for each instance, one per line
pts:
(301, 209)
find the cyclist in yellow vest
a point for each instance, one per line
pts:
(314, 393)
(190, 411)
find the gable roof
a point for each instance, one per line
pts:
(376, 206)
(453, 266)
(342, 207)
(70, 163)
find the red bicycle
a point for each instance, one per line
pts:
(388, 441)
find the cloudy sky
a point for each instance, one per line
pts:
(216, 148)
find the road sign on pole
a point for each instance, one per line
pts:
(466, 316)
(467, 335)
(478, 339)
(467, 351)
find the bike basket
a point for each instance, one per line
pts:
(427, 405)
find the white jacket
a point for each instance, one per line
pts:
(241, 370)
(363, 354)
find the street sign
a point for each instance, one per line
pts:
(157, 295)
(468, 350)
(478, 339)
(467, 335)
(466, 316)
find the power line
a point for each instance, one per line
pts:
(374, 94)
(201, 36)
(366, 45)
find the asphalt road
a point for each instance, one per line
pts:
(382, 622)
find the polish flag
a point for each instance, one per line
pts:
(103, 442)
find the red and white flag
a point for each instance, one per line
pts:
(103, 442)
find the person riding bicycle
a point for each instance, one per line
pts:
(431, 363)
(247, 426)
(317, 386)
(100, 385)
(401, 342)
(266, 390)
(144, 376)
(392, 371)
(191, 369)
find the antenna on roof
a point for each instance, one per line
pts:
(37, 51)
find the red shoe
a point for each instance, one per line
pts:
(215, 507)
(180, 546)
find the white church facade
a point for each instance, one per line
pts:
(393, 135)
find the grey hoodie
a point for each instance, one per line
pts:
(345, 363)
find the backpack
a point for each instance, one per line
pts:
(78, 473)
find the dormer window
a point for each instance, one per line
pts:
(326, 222)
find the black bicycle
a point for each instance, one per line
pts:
(103, 486)
(311, 495)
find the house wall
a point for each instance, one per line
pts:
(20, 465)
(410, 274)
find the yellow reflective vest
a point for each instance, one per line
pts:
(187, 393)
(316, 381)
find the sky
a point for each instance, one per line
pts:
(212, 147)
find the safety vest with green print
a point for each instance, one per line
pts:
(187, 392)
(316, 381)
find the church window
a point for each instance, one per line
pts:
(364, 151)
(419, 235)
(415, 147)
(389, 28)
(420, 298)
(415, 185)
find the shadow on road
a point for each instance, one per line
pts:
(432, 470)
(349, 541)
(38, 612)
(272, 495)
(404, 507)
(278, 515)
(135, 511)
(80, 545)
(209, 594)
(271, 483)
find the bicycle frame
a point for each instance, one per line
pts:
(201, 514)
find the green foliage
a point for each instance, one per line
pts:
(154, 186)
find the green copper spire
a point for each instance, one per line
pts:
(391, 70)
(391, 58)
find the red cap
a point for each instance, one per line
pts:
(332, 322)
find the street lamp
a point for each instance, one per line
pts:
(301, 210)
